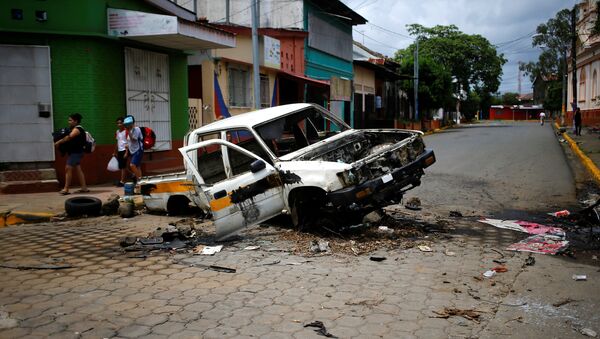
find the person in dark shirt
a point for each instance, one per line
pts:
(577, 120)
(74, 143)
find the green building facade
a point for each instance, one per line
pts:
(97, 74)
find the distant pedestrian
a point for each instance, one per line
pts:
(121, 150)
(577, 121)
(74, 144)
(542, 117)
(135, 148)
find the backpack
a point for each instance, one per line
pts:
(148, 137)
(90, 143)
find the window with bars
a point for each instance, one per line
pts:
(239, 87)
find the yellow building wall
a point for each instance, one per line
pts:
(240, 56)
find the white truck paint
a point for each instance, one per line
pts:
(297, 158)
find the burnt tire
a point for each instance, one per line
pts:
(79, 206)
(305, 212)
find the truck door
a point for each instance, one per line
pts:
(241, 188)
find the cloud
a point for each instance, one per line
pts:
(498, 21)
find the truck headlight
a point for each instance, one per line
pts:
(348, 178)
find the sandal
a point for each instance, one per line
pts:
(64, 192)
(83, 190)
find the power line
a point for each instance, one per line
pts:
(391, 32)
(381, 43)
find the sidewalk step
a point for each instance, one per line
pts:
(29, 186)
(28, 175)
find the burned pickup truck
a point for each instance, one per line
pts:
(302, 160)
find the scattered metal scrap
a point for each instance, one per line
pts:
(563, 302)
(181, 235)
(320, 329)
(448, 312)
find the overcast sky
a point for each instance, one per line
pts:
(500, 21)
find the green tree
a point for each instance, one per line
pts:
(434, 82)
(510, 98)
(470, 59)
(554, 37)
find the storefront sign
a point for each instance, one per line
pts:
(272, 52)
(124, 23)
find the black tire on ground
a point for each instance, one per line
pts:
(78, 206)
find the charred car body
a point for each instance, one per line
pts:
(298, 159)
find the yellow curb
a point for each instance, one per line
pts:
(585, 160)
(436, 130)
(23, 217)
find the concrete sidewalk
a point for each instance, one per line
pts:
(587, 148)
(40, 207)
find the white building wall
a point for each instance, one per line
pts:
(272, 14)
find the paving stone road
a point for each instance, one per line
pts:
(273, 294)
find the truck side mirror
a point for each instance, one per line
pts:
(257, 165)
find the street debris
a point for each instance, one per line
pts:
(579, 277)
(207, 250)
(413, 203)
(184, 234)
(447, 312)
(318, 246)
(424, 248)
(251, 248)
(456, 214)
(126, 208)
(588, 332)
(560, 214)
(151, 240)
(563, 302)
(215, 268)
(377, 258)
(385, 229)
(544, 239)
(500, 269)
(530, 261)
(542, 244)
(489, 273)
(373, 217)
(449, 253)
(320, 329)
(111, 205)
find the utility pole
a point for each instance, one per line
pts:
(519, 88)
(255, 54)
(574, 56)
(565, 72)
(416, 76)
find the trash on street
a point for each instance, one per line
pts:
(560, 214)
(579, 277)
(207, 250)
(540, 243)
(489, 273)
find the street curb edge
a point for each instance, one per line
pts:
(585, 160)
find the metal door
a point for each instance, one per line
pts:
(147, 81)
(25, 104)
(237, 201)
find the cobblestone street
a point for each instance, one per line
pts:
(272, 294)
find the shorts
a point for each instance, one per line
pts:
(74, 159)
(121, 159)
(136, 158)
